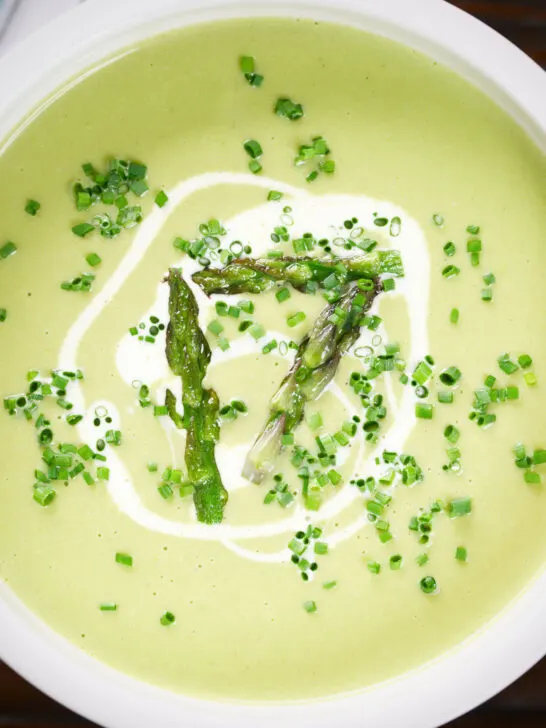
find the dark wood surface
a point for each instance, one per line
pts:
(523, 704)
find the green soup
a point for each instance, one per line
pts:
(395, 557)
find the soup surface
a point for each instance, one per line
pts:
(397, 518)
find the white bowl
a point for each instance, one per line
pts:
(438, 691)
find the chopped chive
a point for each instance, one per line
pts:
(530, 379)
(288, 109)
(160, 410)
(223, 343)
(428, 585)
(253, 148)
(473, 229)
(461, 553)
(489, 279)
(450, 376)
(7, 249)
(310, 607)
(451, 434)
(539, 457)
(139, 187)
(124, 559)
(374, 567)
(473, 246)
(161, 198)
(321, 548)
(459, 507)
(315, 421)
(103, 473)
(93, 259)
(445, 397)
(274, 195)
(389, 284)
(422, 559)
(450, 271)
(531, 478)
(454, 316)
(256, 331)
(83, 229)
(246, 64)
(283, 294)
(3, 314)
(506, 364)
(438, 220)
(329, 585)
(486, 294)
(215, 327)
(32, 207)
(450, 249)
(44, 495)
(395, 562)
(395, 227)
(165, 491)
(424, 411)
(269, 346)
(295, 319)
(525, 361)
(246, 306)
(167, 618)
(108, 607)
(254, 166)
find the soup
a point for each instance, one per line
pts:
(271, 360)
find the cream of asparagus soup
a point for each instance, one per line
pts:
(272, 360)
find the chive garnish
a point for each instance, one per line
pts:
(108, 607)
(450, 271)
(450, 249)
(253, 148)
(450, 376)
(161, 198)
(282, 294)
(454, 316)
(3, 314)
(247, 66)
(44, 494)
(32, 207)
(525, 361)
(295, 319)
(167, 618)
(438, 219)
(374, 567)
(93, 259)
(459, 507)
(310, 607)
(461, 553)
(428, 585)
(83, 229)
(424, 411)
(124, 559)
(288, 109)
(395, 562)
(7, 249)
(274, 195)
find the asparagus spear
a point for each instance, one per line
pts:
(249, 275)
(188, 354)
(314, 367)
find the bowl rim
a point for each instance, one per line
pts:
(484, 663)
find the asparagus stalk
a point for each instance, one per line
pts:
(188, 354)
(314, 367)
(249, 275)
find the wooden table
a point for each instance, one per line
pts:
(523, 704)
